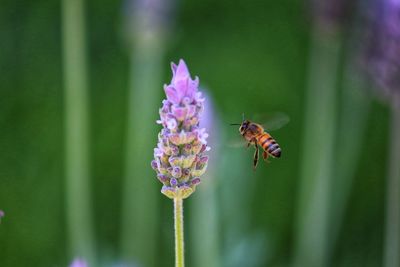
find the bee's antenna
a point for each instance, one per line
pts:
(239, 123)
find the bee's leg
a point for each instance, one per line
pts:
(252, 141)
(255, 161)
(265, 156)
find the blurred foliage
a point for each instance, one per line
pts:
(252, 55)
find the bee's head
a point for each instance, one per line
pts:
(243, 127)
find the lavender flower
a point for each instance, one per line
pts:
(330, 15)
(178, 157)
(78, 263)
(1, 214)
(383, 50)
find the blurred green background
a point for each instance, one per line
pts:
(253, 57)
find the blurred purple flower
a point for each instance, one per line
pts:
(1, 214)
(78, 263)
(178, 157)
(382, 52)
(330, 15)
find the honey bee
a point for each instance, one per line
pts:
(254, 134)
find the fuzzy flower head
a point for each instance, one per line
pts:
(382, 52)
(178, 158)
(330, 15)
(78, 263)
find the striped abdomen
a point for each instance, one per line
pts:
(269, 145)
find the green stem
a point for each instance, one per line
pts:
(392, 242)
(142, 109)
(140, 222)
(352, 124)
(179, 245)
(311, 244)
(78, 206)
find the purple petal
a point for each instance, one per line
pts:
(181, 87)
(202, 135)
(154, 165)
(176, 172)
(186, 172)
(186, 100)
(171, 124)
(193, 87)
(166, 105)
(158, 152)
(173, 67)
(174, 150)
(173, 182)
(196, 181)
(163, 178)
(187, 149)
(204, 159)
(203, 148)
(179, 112)
(182, 71)
(198, 97)
(172, 94)
(191, 110)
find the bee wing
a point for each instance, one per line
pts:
(235, 141)
(273, 121)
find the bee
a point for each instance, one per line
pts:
(254, 134)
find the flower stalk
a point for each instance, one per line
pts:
(179, 242)
(381, 58)
(392, 240)
(312, 227)
(77, 171)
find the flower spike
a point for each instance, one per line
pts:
(178, 157)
